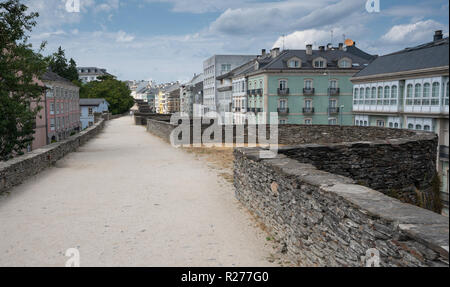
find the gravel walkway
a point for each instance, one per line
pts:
(127, 198)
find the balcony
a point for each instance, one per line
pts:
(310, 91)
(283, 111)
(258, 110)
(308, 110)
(258, 92)
(333, 110)
(283, 92)
(334, 91)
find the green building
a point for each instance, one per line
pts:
(303, 86)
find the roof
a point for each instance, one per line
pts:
(50, 76)
(92, 102)
(247, 67)
(429, 55)
(332, 57)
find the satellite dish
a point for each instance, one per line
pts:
(349, 42)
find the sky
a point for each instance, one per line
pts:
(168, 40)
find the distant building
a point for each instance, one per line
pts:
(89, 74)
(409, 89)
(89, 107)
(62, 107)
(162, 98)
(212, 68)
(188, 94)
(173, 99)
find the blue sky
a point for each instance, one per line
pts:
(167, 40)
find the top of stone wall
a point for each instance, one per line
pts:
(427, 227)
(293, 135)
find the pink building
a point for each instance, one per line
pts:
(62, 107)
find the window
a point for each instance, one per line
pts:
(320, 63)
(283, 85)
(52, 124)
(283, 104)
(446, 95)
(332, 121)
(410, 126)
(426, 94)
(90, 111)
(356, 122)
(308, 104)
(380, 123)
(345, 63)
(418, 94)
(333, 103)
(373, 96)
(387, 95)
(394, 95)
(294, 64)
(391, 125)
(426, 128)
(52, 108)
(409, 95)
(435, 94)
(333, 84)
(380, 96)
(282, 122)
(361, 96)
(308, 84)
(418, 127)
(308, 121)
(367, 100)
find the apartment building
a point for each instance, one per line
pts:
(409, 89)
(62, 106)
(189, 95)
(213, 67)
(303, 86)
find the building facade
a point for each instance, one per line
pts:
(90, 107)
(188, 94)
(62, 106)
(215, 66)
(173, 99)
(89, 74)
(409, 89)
(302, 86)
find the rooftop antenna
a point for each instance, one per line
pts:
(283, 41)
(331, 36)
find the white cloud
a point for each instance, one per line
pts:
(418, 32)
(123, 37)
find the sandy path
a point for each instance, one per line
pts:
(127, 198)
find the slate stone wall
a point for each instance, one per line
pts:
(324, 219)
(17, 170)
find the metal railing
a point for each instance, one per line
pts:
(283, 91)
(308, 110)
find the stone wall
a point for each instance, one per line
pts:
(17, 170)
(324, 219)
(403, 168)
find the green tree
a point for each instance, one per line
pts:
(20, 66)
(115, 92)
(59, 64)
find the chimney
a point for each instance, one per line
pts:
(275, 52)
(321, 48)
(309, 49)
(263, 52)
(438, 35)
(329, 46)
(341, 46)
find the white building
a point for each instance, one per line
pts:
(409, 89)
(213, 67)
(89, 74)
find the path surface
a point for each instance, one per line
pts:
(127, 198)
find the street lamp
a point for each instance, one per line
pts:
(341, 113)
